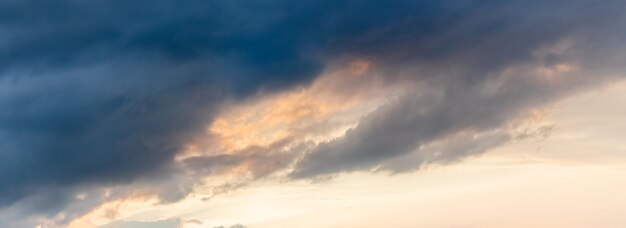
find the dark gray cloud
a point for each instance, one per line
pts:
(106, 93)
(99, 94)
(487, 81)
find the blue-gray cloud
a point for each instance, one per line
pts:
(503, 64)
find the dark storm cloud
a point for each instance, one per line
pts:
(105, 93)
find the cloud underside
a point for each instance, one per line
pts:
(98, 99)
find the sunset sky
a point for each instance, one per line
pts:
(308, 114)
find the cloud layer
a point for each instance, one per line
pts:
(96, 96)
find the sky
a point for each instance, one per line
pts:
(277, 113)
